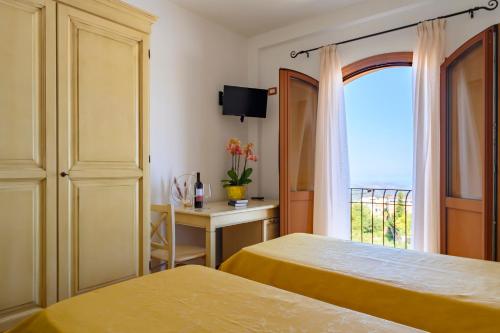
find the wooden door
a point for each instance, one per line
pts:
(298, 107)
(103, 152)
(467, 148)
(496, 190)
(28, 248)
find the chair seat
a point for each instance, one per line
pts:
(182, 253)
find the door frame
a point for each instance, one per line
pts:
(488, 206)
(284, 184)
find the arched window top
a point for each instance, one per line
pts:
(370, 64)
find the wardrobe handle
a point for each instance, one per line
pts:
(64, 174)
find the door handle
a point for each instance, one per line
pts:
(64, 174)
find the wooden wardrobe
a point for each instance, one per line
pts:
(74, 173)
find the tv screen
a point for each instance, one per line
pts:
(246, 102)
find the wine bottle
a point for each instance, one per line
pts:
(198, 190)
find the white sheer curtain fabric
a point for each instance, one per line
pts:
(331, 177)
(427, 59)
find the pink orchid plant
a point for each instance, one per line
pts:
(237, 152)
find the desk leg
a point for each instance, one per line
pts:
(210, 243)
(264, 224)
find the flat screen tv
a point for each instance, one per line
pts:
(244, 102)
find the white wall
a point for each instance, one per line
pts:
(191, 59)
(270, 51)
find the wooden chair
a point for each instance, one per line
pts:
(165, 249)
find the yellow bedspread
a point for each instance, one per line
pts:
(432, 292)
(198, 299)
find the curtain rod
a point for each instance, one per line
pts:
(492, 5)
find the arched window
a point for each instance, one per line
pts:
(379, 116)
(377, 62)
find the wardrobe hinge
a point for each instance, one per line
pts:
(149, 158)
(149, 54)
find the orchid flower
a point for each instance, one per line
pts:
(235, 149)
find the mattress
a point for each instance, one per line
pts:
(198, 299)
(432, 292)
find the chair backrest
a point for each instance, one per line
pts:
(166, 217)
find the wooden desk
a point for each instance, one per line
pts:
(220, 214)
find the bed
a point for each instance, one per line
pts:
(432, 292)
(198, 299)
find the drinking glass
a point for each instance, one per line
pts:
(207, 193)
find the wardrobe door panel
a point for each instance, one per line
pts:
(105, 232)
(27, 159)
(107, 91)
(102, 145)
(20, 244)
(20, 107)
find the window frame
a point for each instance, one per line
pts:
(369, 65)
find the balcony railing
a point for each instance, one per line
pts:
(381, 216)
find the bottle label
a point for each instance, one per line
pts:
(199, 194)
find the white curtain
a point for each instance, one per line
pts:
(427, 59)
(331, 173)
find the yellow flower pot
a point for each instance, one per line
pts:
(236, 192)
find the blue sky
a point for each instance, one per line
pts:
(380, 128)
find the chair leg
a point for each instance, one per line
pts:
(162, 264)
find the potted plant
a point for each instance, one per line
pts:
(238, 178)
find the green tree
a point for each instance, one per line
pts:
(380, 225)
(395, 221)
(360, 216)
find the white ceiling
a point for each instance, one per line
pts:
(252, 17)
